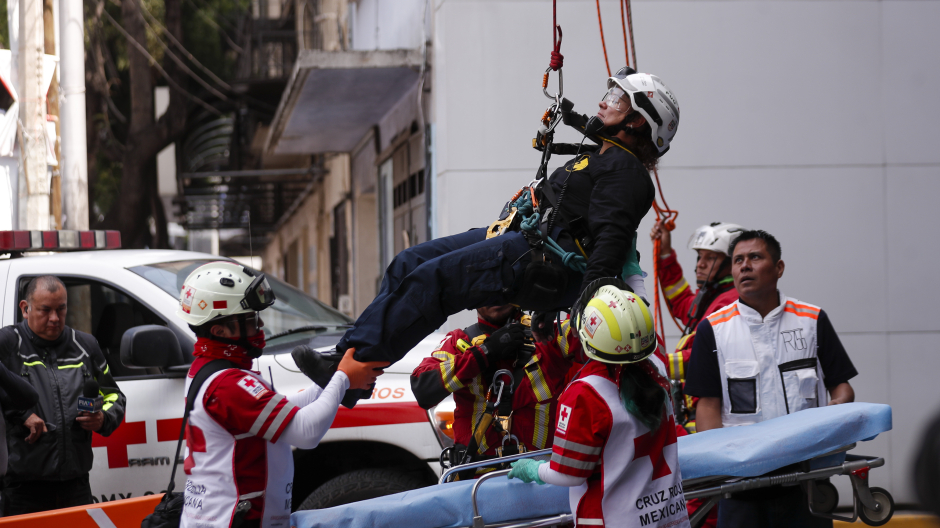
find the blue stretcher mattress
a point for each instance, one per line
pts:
(737, 451)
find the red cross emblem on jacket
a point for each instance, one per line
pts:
(652, 444)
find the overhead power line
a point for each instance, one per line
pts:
(182, 49)
(159, 68)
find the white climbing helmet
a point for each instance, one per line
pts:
(716, 236)
(616, 326)
(220, 289)
(653, 100)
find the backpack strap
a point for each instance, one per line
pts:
(201, 376)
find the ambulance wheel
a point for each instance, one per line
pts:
(878, 518)
(359, 485)
(826, 497)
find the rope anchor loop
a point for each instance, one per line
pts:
(558, 60)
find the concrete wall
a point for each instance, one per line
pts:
(814, 120)
(386, 24)
(311, 226)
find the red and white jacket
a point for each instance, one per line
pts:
(232, 452)
(632, 473)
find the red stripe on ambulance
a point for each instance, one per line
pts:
(380, 414)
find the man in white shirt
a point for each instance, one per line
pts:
(764, 356)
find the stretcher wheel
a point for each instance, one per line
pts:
(826, 497)
(878, 518)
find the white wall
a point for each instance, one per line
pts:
(386, 24)
(813, 120)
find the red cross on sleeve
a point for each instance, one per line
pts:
(577, 449)
(239, 402)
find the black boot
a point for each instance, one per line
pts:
(320, 369)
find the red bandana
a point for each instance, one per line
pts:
(211, 349)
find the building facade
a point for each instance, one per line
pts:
(811, 120)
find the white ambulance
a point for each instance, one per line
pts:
(384, 445)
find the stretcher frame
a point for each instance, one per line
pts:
(713, 488)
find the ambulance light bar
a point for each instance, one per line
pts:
(65, 240)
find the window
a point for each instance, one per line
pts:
(105, 312)
(339, 256)
(407, 223)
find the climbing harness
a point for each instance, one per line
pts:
(497, 414)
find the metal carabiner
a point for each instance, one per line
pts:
(502, 385)
(561, 85)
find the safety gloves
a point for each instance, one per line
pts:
(527, 470)
(361, 374)
(543, 326)
(504, 343)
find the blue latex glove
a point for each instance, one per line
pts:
(526, 470)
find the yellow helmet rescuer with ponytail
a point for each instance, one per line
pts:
(616, 327)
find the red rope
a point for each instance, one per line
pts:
(668, 216)
(630, 25)
(557, 60)
(603, 43)
(623, 22)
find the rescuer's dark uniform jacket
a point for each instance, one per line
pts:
(58, 371)
(613, 192)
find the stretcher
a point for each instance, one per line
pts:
(805, 448)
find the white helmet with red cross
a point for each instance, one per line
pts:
(219, 289)
(615, 326)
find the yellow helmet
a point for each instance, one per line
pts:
(615, 325)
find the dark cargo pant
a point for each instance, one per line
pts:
(431, 281)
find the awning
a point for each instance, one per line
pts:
(333, 97)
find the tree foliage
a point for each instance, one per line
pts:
(123, 134)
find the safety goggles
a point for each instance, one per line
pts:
(252, 320)
(615, 98)
(259, 294)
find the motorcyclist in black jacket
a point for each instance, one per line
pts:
(50, 443)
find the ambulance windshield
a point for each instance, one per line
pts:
(292, 310)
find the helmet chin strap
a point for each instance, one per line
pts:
(622, 126)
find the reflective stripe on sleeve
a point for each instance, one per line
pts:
(562, 338)
(570, 462)
(671, 291)
(263, 415)
(109, 400)
(590, 522)
(542, 414)
(676, 366)
(537, 380)
(448, 368)
(278, 420)
(561, 443)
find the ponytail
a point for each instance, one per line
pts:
(643, 392)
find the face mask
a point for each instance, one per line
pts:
(256, 343)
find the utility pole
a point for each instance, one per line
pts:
(52, 109)
(74, 164)
(33, 115)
